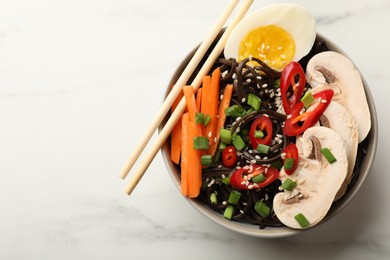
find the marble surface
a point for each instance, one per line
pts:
(80, 81)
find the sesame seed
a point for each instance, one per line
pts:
(257, 157)
(243, 100)
(234, 76)
(211, 183)
(223, 175)
(283, 155)
(224, 202)
(210, 134)
(279, 135)
(215, 139)
(280, 48)
(221, 97)
(250, 151)
(324, 101)
(282, 56)
(253, 161)
(289, 116)
(264, 85)
(238, 167)
(266, 197)
(241, 211)
(250, 186)
(230, 150)
(250, 57)
(280, 141)
(220, 166)
(243, 183)
(238, 118)
(238, 129)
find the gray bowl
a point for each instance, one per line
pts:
(368, 154)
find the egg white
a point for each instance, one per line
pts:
(293, 18)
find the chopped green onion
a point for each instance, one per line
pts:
(235, 111)
(238, 143)
(262, 209)
(226, 180)
(259, 134)
(226, 136)
(289, 184)
(207, 160)
(201, 143)
(199, 118)
(288, 164)
(217, 156)
(262, 148)
(228, 213)
(277, 83)
(213, 198)
(258, 178)
(234, 197)
(206, 120)
(328, 155)
(302, 220)
(222, 146)
(308, 99)
(254, 101)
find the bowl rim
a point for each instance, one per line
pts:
(278, 232)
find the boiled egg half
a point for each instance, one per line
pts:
(276, 34)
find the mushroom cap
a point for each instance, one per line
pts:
(345, 77)
(342, 121)
(317, 182)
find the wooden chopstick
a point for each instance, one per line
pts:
(176, 89)
(136, 177)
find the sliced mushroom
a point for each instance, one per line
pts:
(332, 70)
(317, 182)
(342, 121)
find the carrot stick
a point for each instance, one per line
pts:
(209, 104)
(176, 134)
(198, 98)
(194, 171)
(225, 102)
(190, 101)
(184, 160)
(176, 143)
(189, 94)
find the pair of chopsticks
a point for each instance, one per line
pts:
(177, 88)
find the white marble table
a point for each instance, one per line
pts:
(79, 82)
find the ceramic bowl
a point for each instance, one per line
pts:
(368, 147)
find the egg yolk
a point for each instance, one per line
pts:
(271, 44)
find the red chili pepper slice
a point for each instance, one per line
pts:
(287, 81)
(238, 182)
(264, 124)
(297, 123)
(291, 152)
(229, 156)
